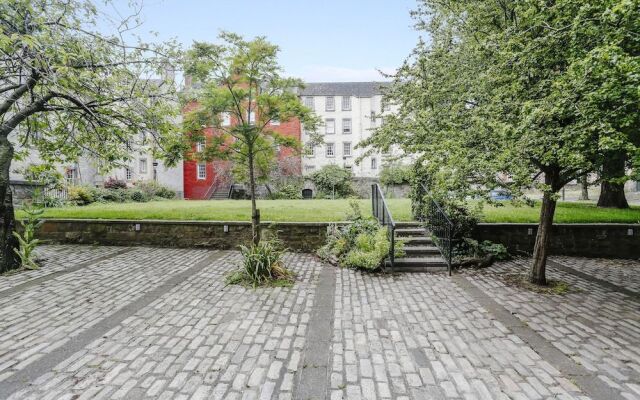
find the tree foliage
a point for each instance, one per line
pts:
(243, 80)
(70, 87)
(333, 181)
(518, 95)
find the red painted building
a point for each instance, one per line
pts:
(203, 180)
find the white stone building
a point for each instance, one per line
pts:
(347, 110)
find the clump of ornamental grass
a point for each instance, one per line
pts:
(262, 265)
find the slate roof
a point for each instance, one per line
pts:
(357, 89)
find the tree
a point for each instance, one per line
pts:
(612, 178)
(334, 181)
(68, 89)
(242, 79)
(518, 95)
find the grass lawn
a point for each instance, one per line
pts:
(319, 211)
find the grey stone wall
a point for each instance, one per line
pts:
(584, 240)
(588, 240)
(304, 237)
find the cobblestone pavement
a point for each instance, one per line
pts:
(598, 328)
(160, 323)
(420, 336)
(624, 273)
(56, 258)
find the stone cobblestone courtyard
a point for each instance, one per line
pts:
(139, 322)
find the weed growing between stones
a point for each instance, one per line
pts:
(519, 280)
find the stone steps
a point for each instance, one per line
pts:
(421, 255)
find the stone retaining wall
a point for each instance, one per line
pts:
(584, 240)
(305, 237)
(588, 240)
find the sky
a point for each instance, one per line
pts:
(320, 40)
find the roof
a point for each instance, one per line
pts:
(357, 89)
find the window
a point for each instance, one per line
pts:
(202, 171)
(346, 126)
(385, 106)
(309, 167)
(200, 146)
(143, 166)
(330, 126)
(70, 176)
(348, 168)
(331, 150)
(330, 104)
(252, 118)
(346, 103)
(226, 119)
(373, 118)
(346, 149)
(309, 103)
(128, 173)
(374, 163)
(311, 151)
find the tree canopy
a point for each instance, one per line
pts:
(239, 91)
(518, 95)
(70, 87)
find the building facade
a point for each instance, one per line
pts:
(203, 179)
(349, 111)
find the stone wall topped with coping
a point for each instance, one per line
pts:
(588, 240)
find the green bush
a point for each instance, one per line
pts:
(110, 195)
(262, 265)
(395, 174)
(51, 202)
(332, 179)
(138, 196)
(81, 195)
(363, 244)
(153, 189)
(287, 192)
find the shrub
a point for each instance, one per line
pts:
(51, 202)
(27, 240)
(166, 193)
(139, 196)
(363, 244)
(262, 264)
(153, 189)
(113, 183)
(332, 179)
(110, 195)
(287, 192)
(81, 195)
(395, 174)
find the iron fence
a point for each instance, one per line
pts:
(440, 226)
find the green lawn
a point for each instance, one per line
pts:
(318, 211)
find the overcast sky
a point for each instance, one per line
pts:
(323, 40)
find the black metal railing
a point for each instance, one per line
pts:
(440, 226)
(383, 215)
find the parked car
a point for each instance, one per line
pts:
(500, 194)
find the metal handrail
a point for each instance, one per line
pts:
(440, 225)
(212, 188)
(383, 215)
(230, 190)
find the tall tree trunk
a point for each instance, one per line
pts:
(255, 213)
(612, 193)
(584, 183)
(8, 258)
(537, 274)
